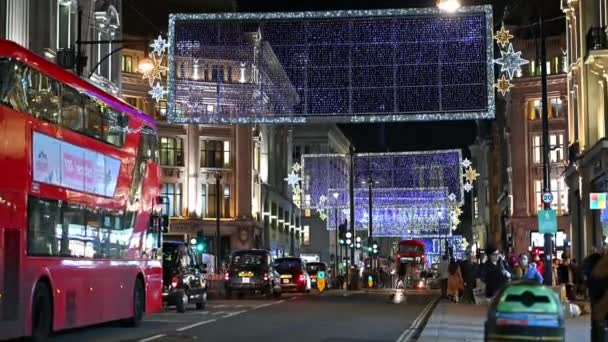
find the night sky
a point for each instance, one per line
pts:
(143, 19)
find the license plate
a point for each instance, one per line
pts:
(245, 280)
(285, 276)
(285, 281)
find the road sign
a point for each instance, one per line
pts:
(597, 200)
(320, 275)
(547, 221)
(547, 197)
(320, 284)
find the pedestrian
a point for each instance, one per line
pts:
(597, 283)
(566, 277)
(469, 276)
(521, 267)
(540, 265)
(532, 274)
(455, 282)
(495, 276)
(442, 269)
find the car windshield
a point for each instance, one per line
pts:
(288, 265)
(248, 260)
(315, 267)
(411, 249)
(169, 252)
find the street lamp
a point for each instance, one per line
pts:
(448, 5)
(145, 65)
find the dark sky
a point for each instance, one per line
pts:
(148, 17)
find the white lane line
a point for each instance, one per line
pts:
(218, 312)
(202, 313)
(234, 313)
(268, 304)
(218, 306)
(407, 334)
(239, 306)
(195, 325)
(151, 338)
(163, 321)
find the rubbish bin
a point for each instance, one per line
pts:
(525, 312)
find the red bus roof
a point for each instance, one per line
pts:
(412, 242)
(11, 49)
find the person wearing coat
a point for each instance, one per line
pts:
(495, 276)
(455, 281)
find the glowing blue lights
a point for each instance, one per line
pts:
(413, 64)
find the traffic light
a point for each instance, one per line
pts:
(201, 242)
(375, 248)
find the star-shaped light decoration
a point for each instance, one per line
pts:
(457, 211)
(468, 187)
(503, 37)
(297, 190)
(157, 92)
(322, 199)
(511, 61)
(293, 179)
(322, 215)
(466, 163)
(471, 175)
(503, 85)
(452, 197)
(159, 45)
(296, 167)
(157, 70)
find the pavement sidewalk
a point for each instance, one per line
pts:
(452, 322)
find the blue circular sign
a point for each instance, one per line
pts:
(547, 197)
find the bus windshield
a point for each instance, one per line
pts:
(411, 249)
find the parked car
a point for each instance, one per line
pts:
(293, 274)
(313, 269)
(251, 271)
(183, 278)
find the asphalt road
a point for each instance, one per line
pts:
(330, 317)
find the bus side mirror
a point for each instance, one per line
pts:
(165, 223)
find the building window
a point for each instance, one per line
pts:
(556, 145)
(559, 190)
(173, 197)
(226, 200)
(203, 200)
(66, 24)
(131, 100)
(306, 233)
(162, 108)
(557, 108)
(212, 202)
(215, 153)
(171, 151)
(536, 149)
(127, 64)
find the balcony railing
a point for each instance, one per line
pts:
(596, 39)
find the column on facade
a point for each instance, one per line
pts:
(244, 165)
(18, 21)
(192, 187)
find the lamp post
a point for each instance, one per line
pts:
(218, 238)
(336, 195)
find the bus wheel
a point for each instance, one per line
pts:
(42, 313)
(138, 305)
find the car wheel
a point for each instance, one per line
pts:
(138, 305)
(42, 313)
(182, 303)
(201, 305)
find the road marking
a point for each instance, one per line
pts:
(151, 338)
(218, 312)
(234, 313)
(219, 306)
(163, 321)
(262, 306)
(195, 325)
(409, 332)
(239, 306)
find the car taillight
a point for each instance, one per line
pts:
(301, 278)
(227, 276)
(174, 281)
(265, 276)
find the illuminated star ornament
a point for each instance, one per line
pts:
(466, 163)
(468, 187)
(503, 85)
(157, 92)
(160, 45)
(293, 179)
(503, 37)
(452, 197)
(296, 167)
(157, 70)
(511, 61)
(471, 175)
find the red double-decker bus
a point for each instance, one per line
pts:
(411, 262)
(79, 237)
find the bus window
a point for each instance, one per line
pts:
(71, 109)
(93, 118)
